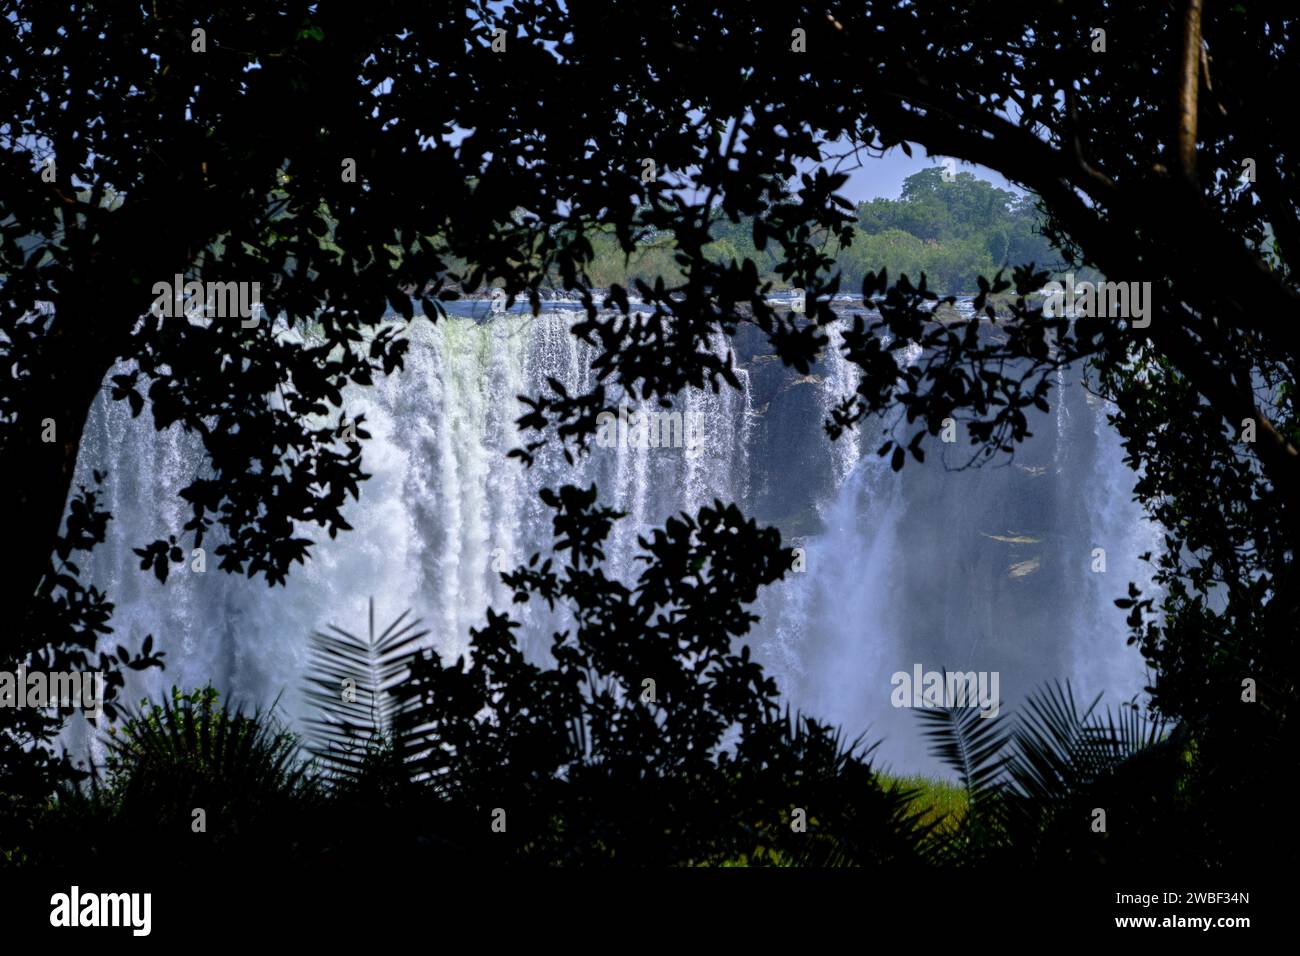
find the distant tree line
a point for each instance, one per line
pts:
(950, 231)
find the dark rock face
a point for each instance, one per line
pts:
(793, 458)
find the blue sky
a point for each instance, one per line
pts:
(884, 177)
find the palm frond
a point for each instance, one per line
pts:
(854, 818)
(1057, 751)
(190, 742)
(1064, 763)
(1030, 787)
(349, 680)
(971, 745)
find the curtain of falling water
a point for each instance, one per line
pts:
(901, 569)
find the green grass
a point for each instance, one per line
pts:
(933, 798)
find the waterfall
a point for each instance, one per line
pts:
(983, 569)
(840, 380)
(1120, 532)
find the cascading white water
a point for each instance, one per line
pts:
(1120, 534)
(840, 380)
(892, 577)
(830, 627)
